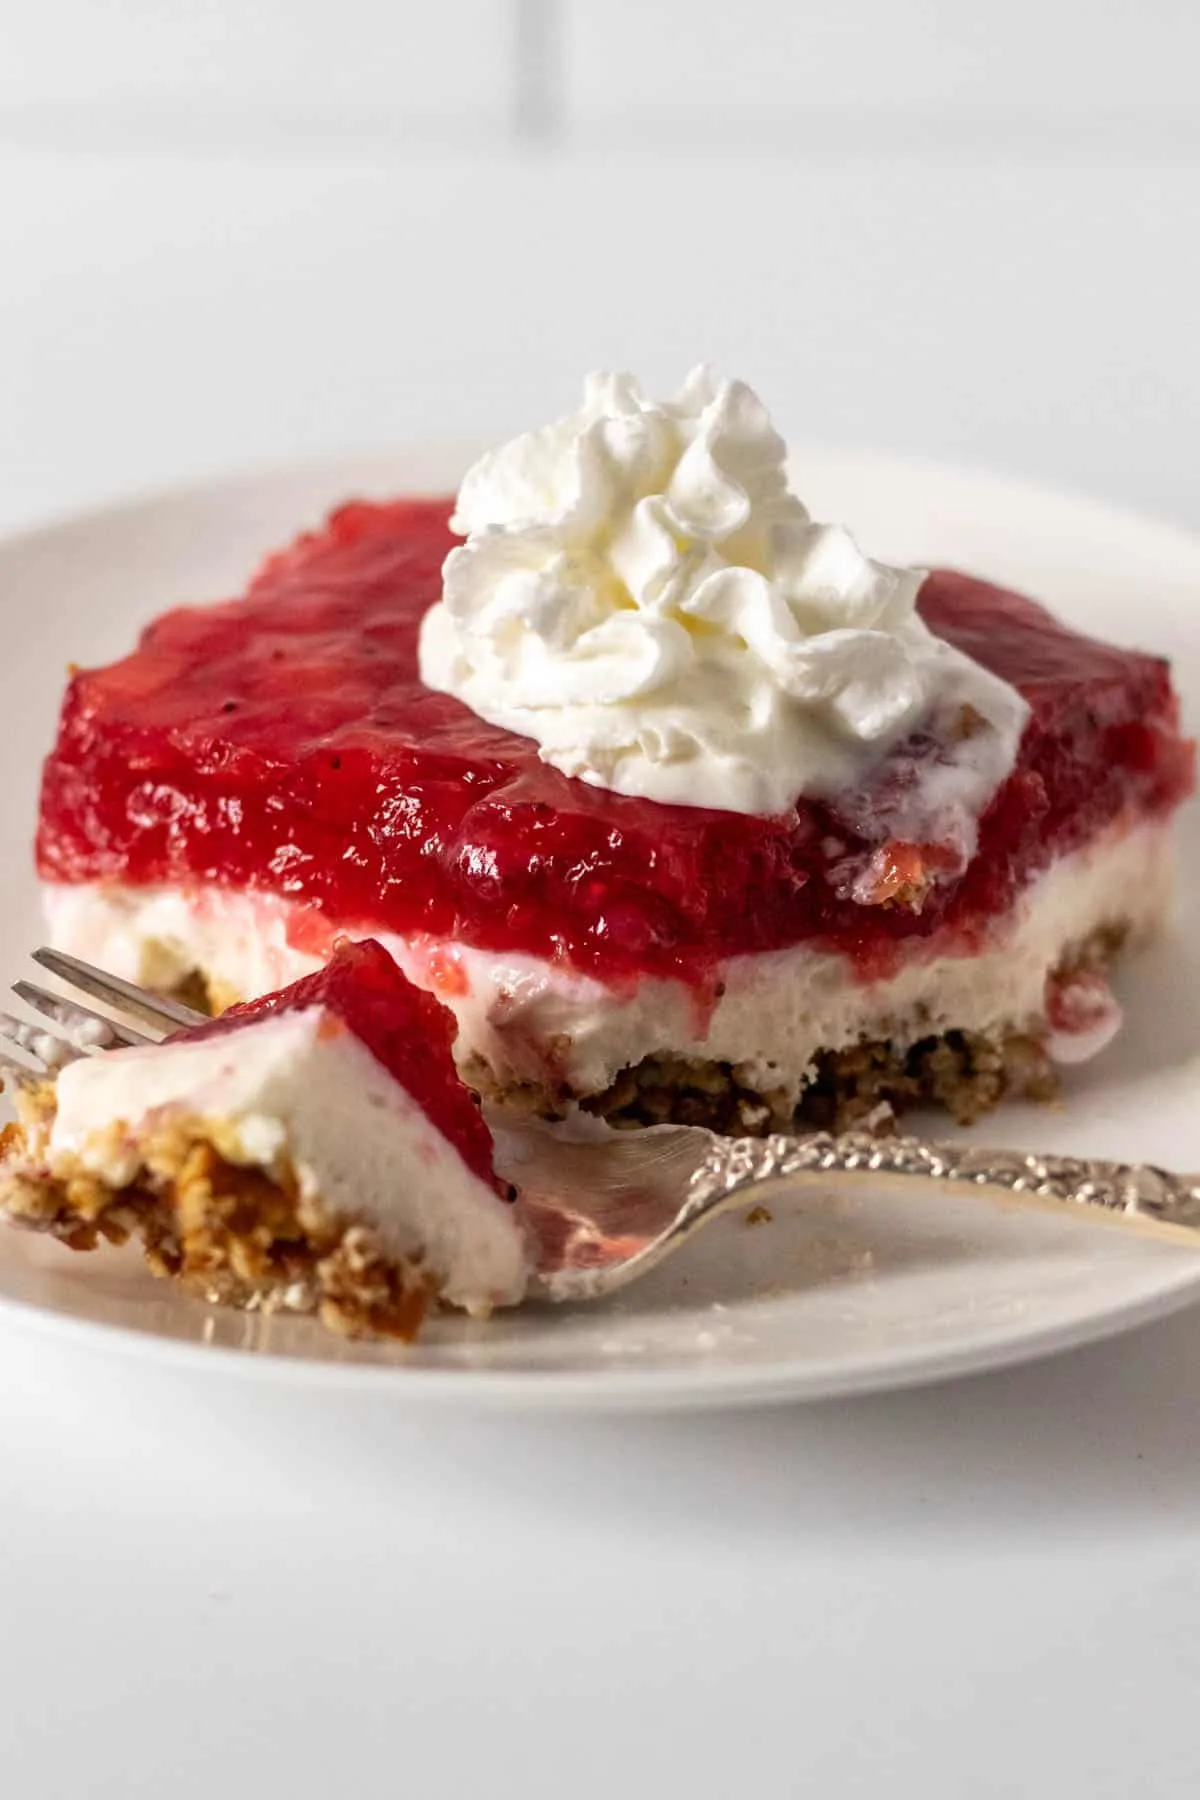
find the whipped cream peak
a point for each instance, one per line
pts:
(711, 456)
(641, 592)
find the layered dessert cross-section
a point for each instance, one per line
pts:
(681, 805)
(314, 1150)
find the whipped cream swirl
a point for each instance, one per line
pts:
(642, 594)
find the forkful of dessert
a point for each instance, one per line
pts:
(317, 1151)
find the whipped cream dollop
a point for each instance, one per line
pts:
(642, 594)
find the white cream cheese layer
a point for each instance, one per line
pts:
(641, 593)
(532, 1021)
(299, 1088)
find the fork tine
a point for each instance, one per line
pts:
(52, 1051)
(21, 1074)
(123, 996)
(86, 1029)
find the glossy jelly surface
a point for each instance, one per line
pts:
(283, 742)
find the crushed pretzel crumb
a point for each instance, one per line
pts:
(237, 1235)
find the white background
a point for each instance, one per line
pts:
(235, 231)
(244, 230)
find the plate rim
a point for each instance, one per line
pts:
(619, 1389)
(210, 483)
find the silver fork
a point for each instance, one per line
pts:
(604, 1207)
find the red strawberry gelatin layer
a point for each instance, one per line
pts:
(284, 743)
(407, 1031)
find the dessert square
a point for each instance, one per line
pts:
(554, 770)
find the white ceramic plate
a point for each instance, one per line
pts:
(845, 1297)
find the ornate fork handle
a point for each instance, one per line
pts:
(729, 1171)
(1136, 1194)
